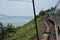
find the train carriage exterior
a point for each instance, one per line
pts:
(55, 15)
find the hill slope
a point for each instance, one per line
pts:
(26, 32)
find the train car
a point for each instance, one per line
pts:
(55, 15)
(51, 15)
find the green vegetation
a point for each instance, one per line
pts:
(25, 32)
(45, 12)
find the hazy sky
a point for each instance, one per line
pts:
(23, 8)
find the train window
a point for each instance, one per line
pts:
(29, 19)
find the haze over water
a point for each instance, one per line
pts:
(15, 20)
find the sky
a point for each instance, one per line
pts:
(24, 7)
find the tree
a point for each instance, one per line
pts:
(10, 28)
(2, 32)
(41, 12)
(52, 8)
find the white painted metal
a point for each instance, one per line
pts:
(56, 30)
(57, 18)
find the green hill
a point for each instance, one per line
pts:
(26, 32)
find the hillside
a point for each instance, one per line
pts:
(26, 32)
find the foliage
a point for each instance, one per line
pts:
(10, 28)
(37, 16)
(41, 13)
(26, 32)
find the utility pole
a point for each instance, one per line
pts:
(35, 20)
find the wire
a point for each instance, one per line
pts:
(37, 6)
(34, 16)
(20, 0)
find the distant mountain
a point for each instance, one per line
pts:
(3, 16)
(13, 16)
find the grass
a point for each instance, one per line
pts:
(27, 31)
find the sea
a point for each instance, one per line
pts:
(15, 20)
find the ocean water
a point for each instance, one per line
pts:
(15, 20)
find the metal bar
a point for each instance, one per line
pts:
(56, 29)
(35, 20)
(56, 26)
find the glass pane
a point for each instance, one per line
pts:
(29, 20)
